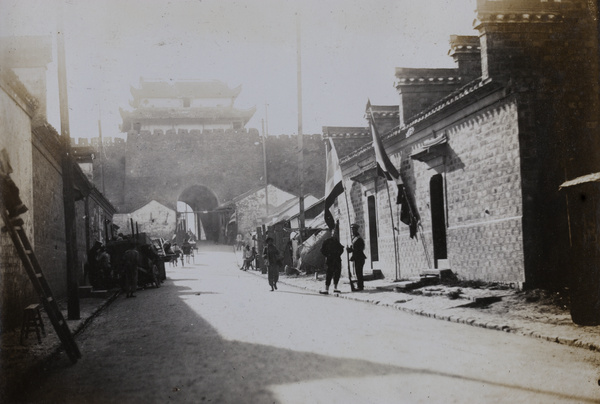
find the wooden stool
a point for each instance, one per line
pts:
(32, 319)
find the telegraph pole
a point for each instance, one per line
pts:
(264, 147)
(67, 171)
(101, 154)
(300, 136)
(265, 134)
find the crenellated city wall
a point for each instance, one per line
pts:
(161, 165)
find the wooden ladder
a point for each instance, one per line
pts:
(14, 226)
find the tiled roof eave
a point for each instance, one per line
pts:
(427, 81)
(444, 103)
(522, 17)
(452, 99)
(366, 149)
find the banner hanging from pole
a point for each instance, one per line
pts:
(334, 184)
(386, 169)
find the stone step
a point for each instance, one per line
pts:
(424, 280)
(442, 274)
(85, 291)
(100, 294)
(376, 274)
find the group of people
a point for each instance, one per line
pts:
(332, 249)
(98, 269)
(249, 258)
(185, 252)
(102, 274)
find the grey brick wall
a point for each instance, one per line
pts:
(482, 179)
(49, 216)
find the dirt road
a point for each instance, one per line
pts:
(213, 333)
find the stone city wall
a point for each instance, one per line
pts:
(161, 166)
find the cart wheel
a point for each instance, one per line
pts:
(155, 276)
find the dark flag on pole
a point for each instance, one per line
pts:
(386, 169)
(407, 212)
(334, 185)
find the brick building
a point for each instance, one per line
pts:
(482, 149)
(35, 150)
(186, 142)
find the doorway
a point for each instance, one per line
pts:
(438, 218)
(374, 245)
(196, 214)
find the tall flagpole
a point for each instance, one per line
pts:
(347, 243)
(373, 130)
(387, 187)
(300, 136)
(331, 191)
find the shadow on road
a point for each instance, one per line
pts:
(156, 348)
(198, 293)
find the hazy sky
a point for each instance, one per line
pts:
(349, 50)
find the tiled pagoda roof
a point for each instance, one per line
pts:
(183, 89)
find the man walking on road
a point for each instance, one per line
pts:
(358, 255)
(332, 250)
(273, 261)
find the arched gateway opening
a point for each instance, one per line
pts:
(196, 214)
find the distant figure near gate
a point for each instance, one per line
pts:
(249, 257)
(130, 263)
(186, 248)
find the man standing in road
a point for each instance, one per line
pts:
(104, 268)
(358, 255)
(186, 249)
(332, 250)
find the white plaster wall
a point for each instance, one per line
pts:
(153, 218)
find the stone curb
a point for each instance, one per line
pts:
(80, 327)
(468, 321)
(53, 352)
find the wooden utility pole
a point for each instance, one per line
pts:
(266, 178)
(101, 149)
(67, 171)
(300, 136)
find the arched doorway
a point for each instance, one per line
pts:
(196, 214)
